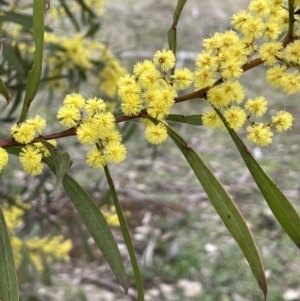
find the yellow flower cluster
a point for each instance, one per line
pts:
(111, 217)
(96, 6)
(80, 52)
(47, 249)
(224, 56)
(151, 88)
(38, 249)
(30, 155)
(94, 125)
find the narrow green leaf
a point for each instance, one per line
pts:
(9, 54)
(3, 91)
(22, 19)
(172, 36)
(98, 228)
(126, 235)
(226, 209)
(16, 101)
(70, 15)
(61, 161)
(190, 119)
(93, 29)
(8, 278)
(128, 130)
(118, 113)
(14, 150)
(282, 209)
(34, 75)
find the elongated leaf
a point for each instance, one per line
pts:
(3, 91)
(226, 208)
(98, 227)
(190, 119)
(172, 36)
(70, 15)
(34, 75)
(22, 19)
(8, 278)
(60, 159)
(118, 113)
(282, 209)
(126, 235)
(9, 54)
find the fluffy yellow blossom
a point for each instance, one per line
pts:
(87, 133)
(23, 133)
(282, 120)
(95, 159)
(115, 152)
(270, 52)
(3, 158)
(291, 82)
(105, 121)
(129, 91)
(292, 52)
(159, 109)
(146, 65)
(213, 42)
(182, 78)
(259, 7)
(156, 133)
(272, 31)
(204, 78)
(232, 91)
(165, 59)
(126, 80)
(235, 116)
(257, 106)
(38, 123)
(68, 116)
(217, 98)
(239, 52)
(132, 106)
(74, 100)
(240, 18)
(94, 105)
(30, 158)
(228, 39)
(110, 137)
(151, 96)
(206, 59)
(167, 95)
(275, 75)
(260, 134)
(225, 57)
(253, 28)
(211, 119)
(150, 79)
(231, 69)
(282, 18)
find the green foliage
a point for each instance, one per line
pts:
(60, 63)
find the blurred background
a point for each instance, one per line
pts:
(185, 251)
